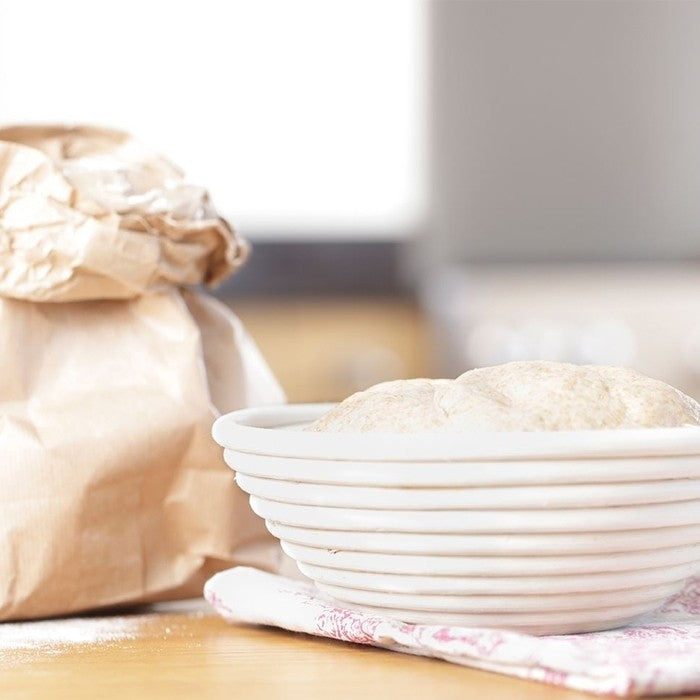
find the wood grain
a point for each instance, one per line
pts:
(326, 349)
(198, 655)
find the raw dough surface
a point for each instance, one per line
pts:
(518, 396)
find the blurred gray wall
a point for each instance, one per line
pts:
(564, 131)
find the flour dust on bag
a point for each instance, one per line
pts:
(111, 374)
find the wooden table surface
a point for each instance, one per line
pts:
(189, 652)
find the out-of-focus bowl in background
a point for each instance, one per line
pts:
(644, 316)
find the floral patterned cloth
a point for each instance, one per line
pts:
(658, 655)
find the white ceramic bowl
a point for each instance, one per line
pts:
(540, 532)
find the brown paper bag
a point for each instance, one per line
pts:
(111, 488)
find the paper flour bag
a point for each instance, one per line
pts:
(111, 374)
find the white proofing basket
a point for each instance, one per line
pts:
(547, 533)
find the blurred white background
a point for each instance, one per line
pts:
(303, 118)
(531, 166)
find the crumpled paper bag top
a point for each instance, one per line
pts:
(91, 213)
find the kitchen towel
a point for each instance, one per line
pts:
(657, 655)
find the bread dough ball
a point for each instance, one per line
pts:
(518, 396)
